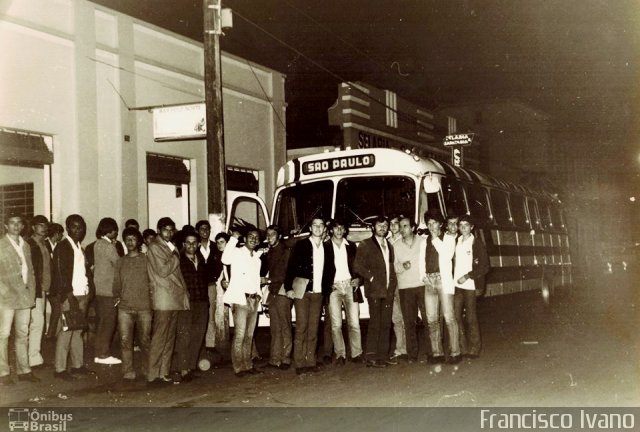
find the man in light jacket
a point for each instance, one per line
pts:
(17, 297)
(169, 295)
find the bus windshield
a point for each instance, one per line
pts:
(298, 205)
(360, 199)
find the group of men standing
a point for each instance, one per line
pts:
(169, 293)
(436, 276)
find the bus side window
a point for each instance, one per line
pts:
(500, 208)
(545, 216)
(533, 213)
(453, 195)
(519, 209)
(478, 204)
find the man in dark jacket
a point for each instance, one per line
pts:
(343, 281)
(374, 262)
(307, 262)
(70, 288)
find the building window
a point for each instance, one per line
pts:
(16, 197)
(391, 101)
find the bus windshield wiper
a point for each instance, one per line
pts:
(313, 215)
(344, 206)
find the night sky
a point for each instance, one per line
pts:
(577, 60)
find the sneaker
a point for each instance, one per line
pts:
(107, 360)
(392, 361)
(64, 375)
(30, 377)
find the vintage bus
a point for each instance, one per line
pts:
(524, 229)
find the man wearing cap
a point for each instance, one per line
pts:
(41, 260)
(17, 295)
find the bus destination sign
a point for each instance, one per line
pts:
(458, 140)
(338, 164)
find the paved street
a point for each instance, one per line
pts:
(581, 350)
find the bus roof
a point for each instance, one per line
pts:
(354, 162)
(391, 161)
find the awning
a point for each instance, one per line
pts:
(24, 149)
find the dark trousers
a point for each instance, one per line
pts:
(191, 329)
(107, 316)
(412, 300)
(280, 321)
(307, 320)
(469, 329)
(163, 338)
(380, 311)
(128, 320)
(327, 339)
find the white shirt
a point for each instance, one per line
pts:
(79, 281)
(23, 261)
(341, 261)
(170, 245)
(318, 265)
(205, 251)
(245, 272)
(464, 262)
(385, 254)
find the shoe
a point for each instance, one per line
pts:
(272, 366)
(254, 371)
(241, 374)
(284, 366)
(176, 378)
(6, 381)
(454, 359)
(107, 360)
(188, 376)
(392, 361)
(357, 359)
(159, 382)
(326, 359)
(83, 370)
(312, 369)
(64, 375)
(300, 371)
(376, 364)
(30, 377)
(436, 359)
(340, 361)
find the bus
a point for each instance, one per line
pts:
(524, 229)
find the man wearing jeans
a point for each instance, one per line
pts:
(410, 286)
(17, 297)
(132, 292)
(243, 294)
(340, 257)
(436, 270)
(307, 261)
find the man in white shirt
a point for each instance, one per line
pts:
(341, 255)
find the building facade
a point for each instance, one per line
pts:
(78, 84)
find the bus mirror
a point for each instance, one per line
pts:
(431, 183)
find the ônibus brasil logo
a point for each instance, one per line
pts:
(26, 419)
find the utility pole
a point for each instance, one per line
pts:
(216, 168)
